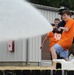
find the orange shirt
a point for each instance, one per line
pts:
(54, 38)
(67, 37)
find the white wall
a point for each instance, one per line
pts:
(18, 55)
(49, 15)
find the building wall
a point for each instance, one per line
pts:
(19, 53)
(49, 15)
(34, 52)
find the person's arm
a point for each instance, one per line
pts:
(68, 25)
(45, 39)
(65, 28)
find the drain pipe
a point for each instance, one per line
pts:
(27, 52)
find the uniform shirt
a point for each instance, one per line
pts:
(54, 38)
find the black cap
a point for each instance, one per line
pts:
(62, 9)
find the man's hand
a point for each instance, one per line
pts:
(59, 29)
(64, 28)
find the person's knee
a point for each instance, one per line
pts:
(52, 50)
